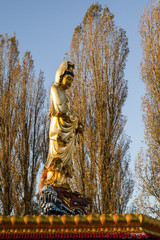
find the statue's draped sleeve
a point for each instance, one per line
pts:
(58, 102)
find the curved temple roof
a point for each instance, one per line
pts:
(86, 226)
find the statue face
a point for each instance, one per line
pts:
(66, 82)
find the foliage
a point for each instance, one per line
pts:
(148, 162)
(101, 161)
(22, 123)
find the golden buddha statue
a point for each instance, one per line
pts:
(64, 125)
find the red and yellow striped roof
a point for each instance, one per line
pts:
(93, 226)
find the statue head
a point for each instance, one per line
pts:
(65, 74)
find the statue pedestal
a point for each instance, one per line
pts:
(60, 201)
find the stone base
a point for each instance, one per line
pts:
(60, 201)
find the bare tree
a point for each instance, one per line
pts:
(9, 75)
(148, 161)
(22, 128)
(99, 50)
(31, 128)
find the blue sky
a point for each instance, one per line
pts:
(45, 28)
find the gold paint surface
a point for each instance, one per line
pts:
(64, 124)
(80, 223)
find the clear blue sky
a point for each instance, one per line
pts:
(45, 28)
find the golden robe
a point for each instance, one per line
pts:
(63, 125)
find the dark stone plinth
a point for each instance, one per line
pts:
(50, 202)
